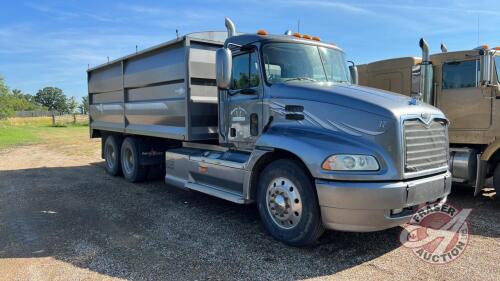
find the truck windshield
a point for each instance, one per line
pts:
(285, 62)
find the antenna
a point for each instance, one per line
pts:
(136, 49)
(177, 33)
(108, 59)
(298, 25)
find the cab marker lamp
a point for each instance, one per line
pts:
(316, 38)
(350, 162)
(305, 36)
(296, 34)
(262, 32)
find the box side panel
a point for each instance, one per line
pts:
(203, 91)
(106, 98)
(155, 93)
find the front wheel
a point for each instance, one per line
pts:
(288, 204)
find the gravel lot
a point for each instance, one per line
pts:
(63, 218)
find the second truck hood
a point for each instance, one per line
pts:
(367, 99)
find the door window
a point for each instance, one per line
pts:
(462, 74)
(245, 71)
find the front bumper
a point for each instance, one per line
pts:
(366, 206)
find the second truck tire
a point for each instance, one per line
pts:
(496, 181)
(288, 204)
(132, 170)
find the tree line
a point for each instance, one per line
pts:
(46, 99)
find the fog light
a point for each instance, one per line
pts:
(396, 211)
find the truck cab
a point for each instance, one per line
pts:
(293, 133)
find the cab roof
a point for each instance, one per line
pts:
(248, 38)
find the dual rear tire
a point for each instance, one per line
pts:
(123, 158)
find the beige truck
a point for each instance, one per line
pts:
(465, 86)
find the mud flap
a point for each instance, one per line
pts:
(480, 175)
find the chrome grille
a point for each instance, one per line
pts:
(426, 146)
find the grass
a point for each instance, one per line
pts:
(32, 130)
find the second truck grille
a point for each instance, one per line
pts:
(426, 145)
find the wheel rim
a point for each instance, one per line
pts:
(110, 156)
(284, 203)
(128, 161)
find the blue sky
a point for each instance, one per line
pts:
(50, 43)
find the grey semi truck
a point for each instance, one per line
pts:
(273, 119)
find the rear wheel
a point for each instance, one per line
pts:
(288, 204)
(112, 146)
(133, 171)
(496, 181)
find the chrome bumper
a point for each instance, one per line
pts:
(369, 206)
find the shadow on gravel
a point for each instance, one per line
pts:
(82, 216)
(485, 215)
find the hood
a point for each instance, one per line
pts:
(362, 98)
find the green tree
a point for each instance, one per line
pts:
(52, 98)
(5, 108)
(71, 105)
(84, 106)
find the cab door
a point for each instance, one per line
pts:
(245, 100)
(465, 103)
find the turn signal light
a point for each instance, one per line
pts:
(262, 32)
(296, 34)
(316, 38)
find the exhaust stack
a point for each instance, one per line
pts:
(231, 30)
(426, 73)
(444, 49)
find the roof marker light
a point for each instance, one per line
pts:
(296, 34)
(306, 36)
(316, 38)
(262, 32)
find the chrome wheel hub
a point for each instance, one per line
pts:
(284, 203)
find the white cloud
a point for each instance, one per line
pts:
(341, 6)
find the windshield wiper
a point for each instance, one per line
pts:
(340, 81)
(301, 79)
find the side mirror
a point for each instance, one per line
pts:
(224, 65)
(485, 68)
(353, 70)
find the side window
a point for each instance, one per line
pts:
(458, 75)
(245, 71)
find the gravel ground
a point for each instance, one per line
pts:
(63, 218)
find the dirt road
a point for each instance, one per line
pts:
(63, 218)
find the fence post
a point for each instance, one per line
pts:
(53, 119)
(74, 119)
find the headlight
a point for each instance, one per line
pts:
(348, 162)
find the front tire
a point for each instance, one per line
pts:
(288, 204)
(132, 170)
